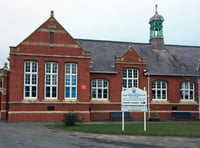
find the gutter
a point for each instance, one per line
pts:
(178, 75)
(104, 72)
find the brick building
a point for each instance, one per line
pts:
(51, 73)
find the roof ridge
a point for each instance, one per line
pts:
(111, 41)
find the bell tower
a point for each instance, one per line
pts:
(156, 30)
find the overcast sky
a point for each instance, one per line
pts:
(116, 20)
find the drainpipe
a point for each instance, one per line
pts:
(148, 97)
(199, 94)
(198, 78)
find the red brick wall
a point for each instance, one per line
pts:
(36, 47)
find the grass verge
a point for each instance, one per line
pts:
(186, 129)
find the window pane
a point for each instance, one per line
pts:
(73, 92)
(27, 67)
(73, 80)
(54, 92)
(67, 92)
(27, 91)
(124, 73)
(93, 83)
(105, 94)
(125, 83)
(34, 78)
(48, 79)
(99, 93)
(48, 67)
(34, 67)
(47, 91)
(130, 74)
(158, 84)
(67, 80)
(130, 84)
(54, 68)
(105, 84)
(74, 68)
(67, 67)
(33, 91)
(135, 83)
(99, 83)
(93, 93)
(54, 79)
(135, 73)
(27, 78)
(191, 85)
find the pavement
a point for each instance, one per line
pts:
(38, 135)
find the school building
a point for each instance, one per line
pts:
(51, 73)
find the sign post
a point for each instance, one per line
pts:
(134, 99)
(122, 121)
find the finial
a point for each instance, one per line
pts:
(130, 46)
(156, 7)
(52, 13)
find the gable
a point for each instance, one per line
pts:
(131, 56)
(50, 38)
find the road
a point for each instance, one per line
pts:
(37, 135)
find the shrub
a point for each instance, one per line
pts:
(71, 118)
(154, 117)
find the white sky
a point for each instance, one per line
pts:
(118, 20)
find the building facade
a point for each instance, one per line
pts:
(51, 73)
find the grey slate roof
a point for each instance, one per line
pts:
(174, 60)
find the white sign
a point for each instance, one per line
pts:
(134, 99)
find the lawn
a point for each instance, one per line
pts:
(182, 129)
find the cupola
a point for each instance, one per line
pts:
(156, 30)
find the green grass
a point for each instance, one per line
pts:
(187, 129)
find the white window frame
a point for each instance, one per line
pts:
(130, 78)
(161, 89)
(71, 70)
(29, 74)
(100, 89)
(186, 88)
(51, 79)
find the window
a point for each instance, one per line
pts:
(1, 83)
(30, 79)
(159, 90)
(99, 89)
(187, 90)
(51, 40)
(130, 78)
(70, 80)
(51, 78)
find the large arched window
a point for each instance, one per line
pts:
(187, 90)
(51, 80)
(100, 89)
(159, 90)
(71, 71)
(30, 79)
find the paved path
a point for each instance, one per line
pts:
(37, 135)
